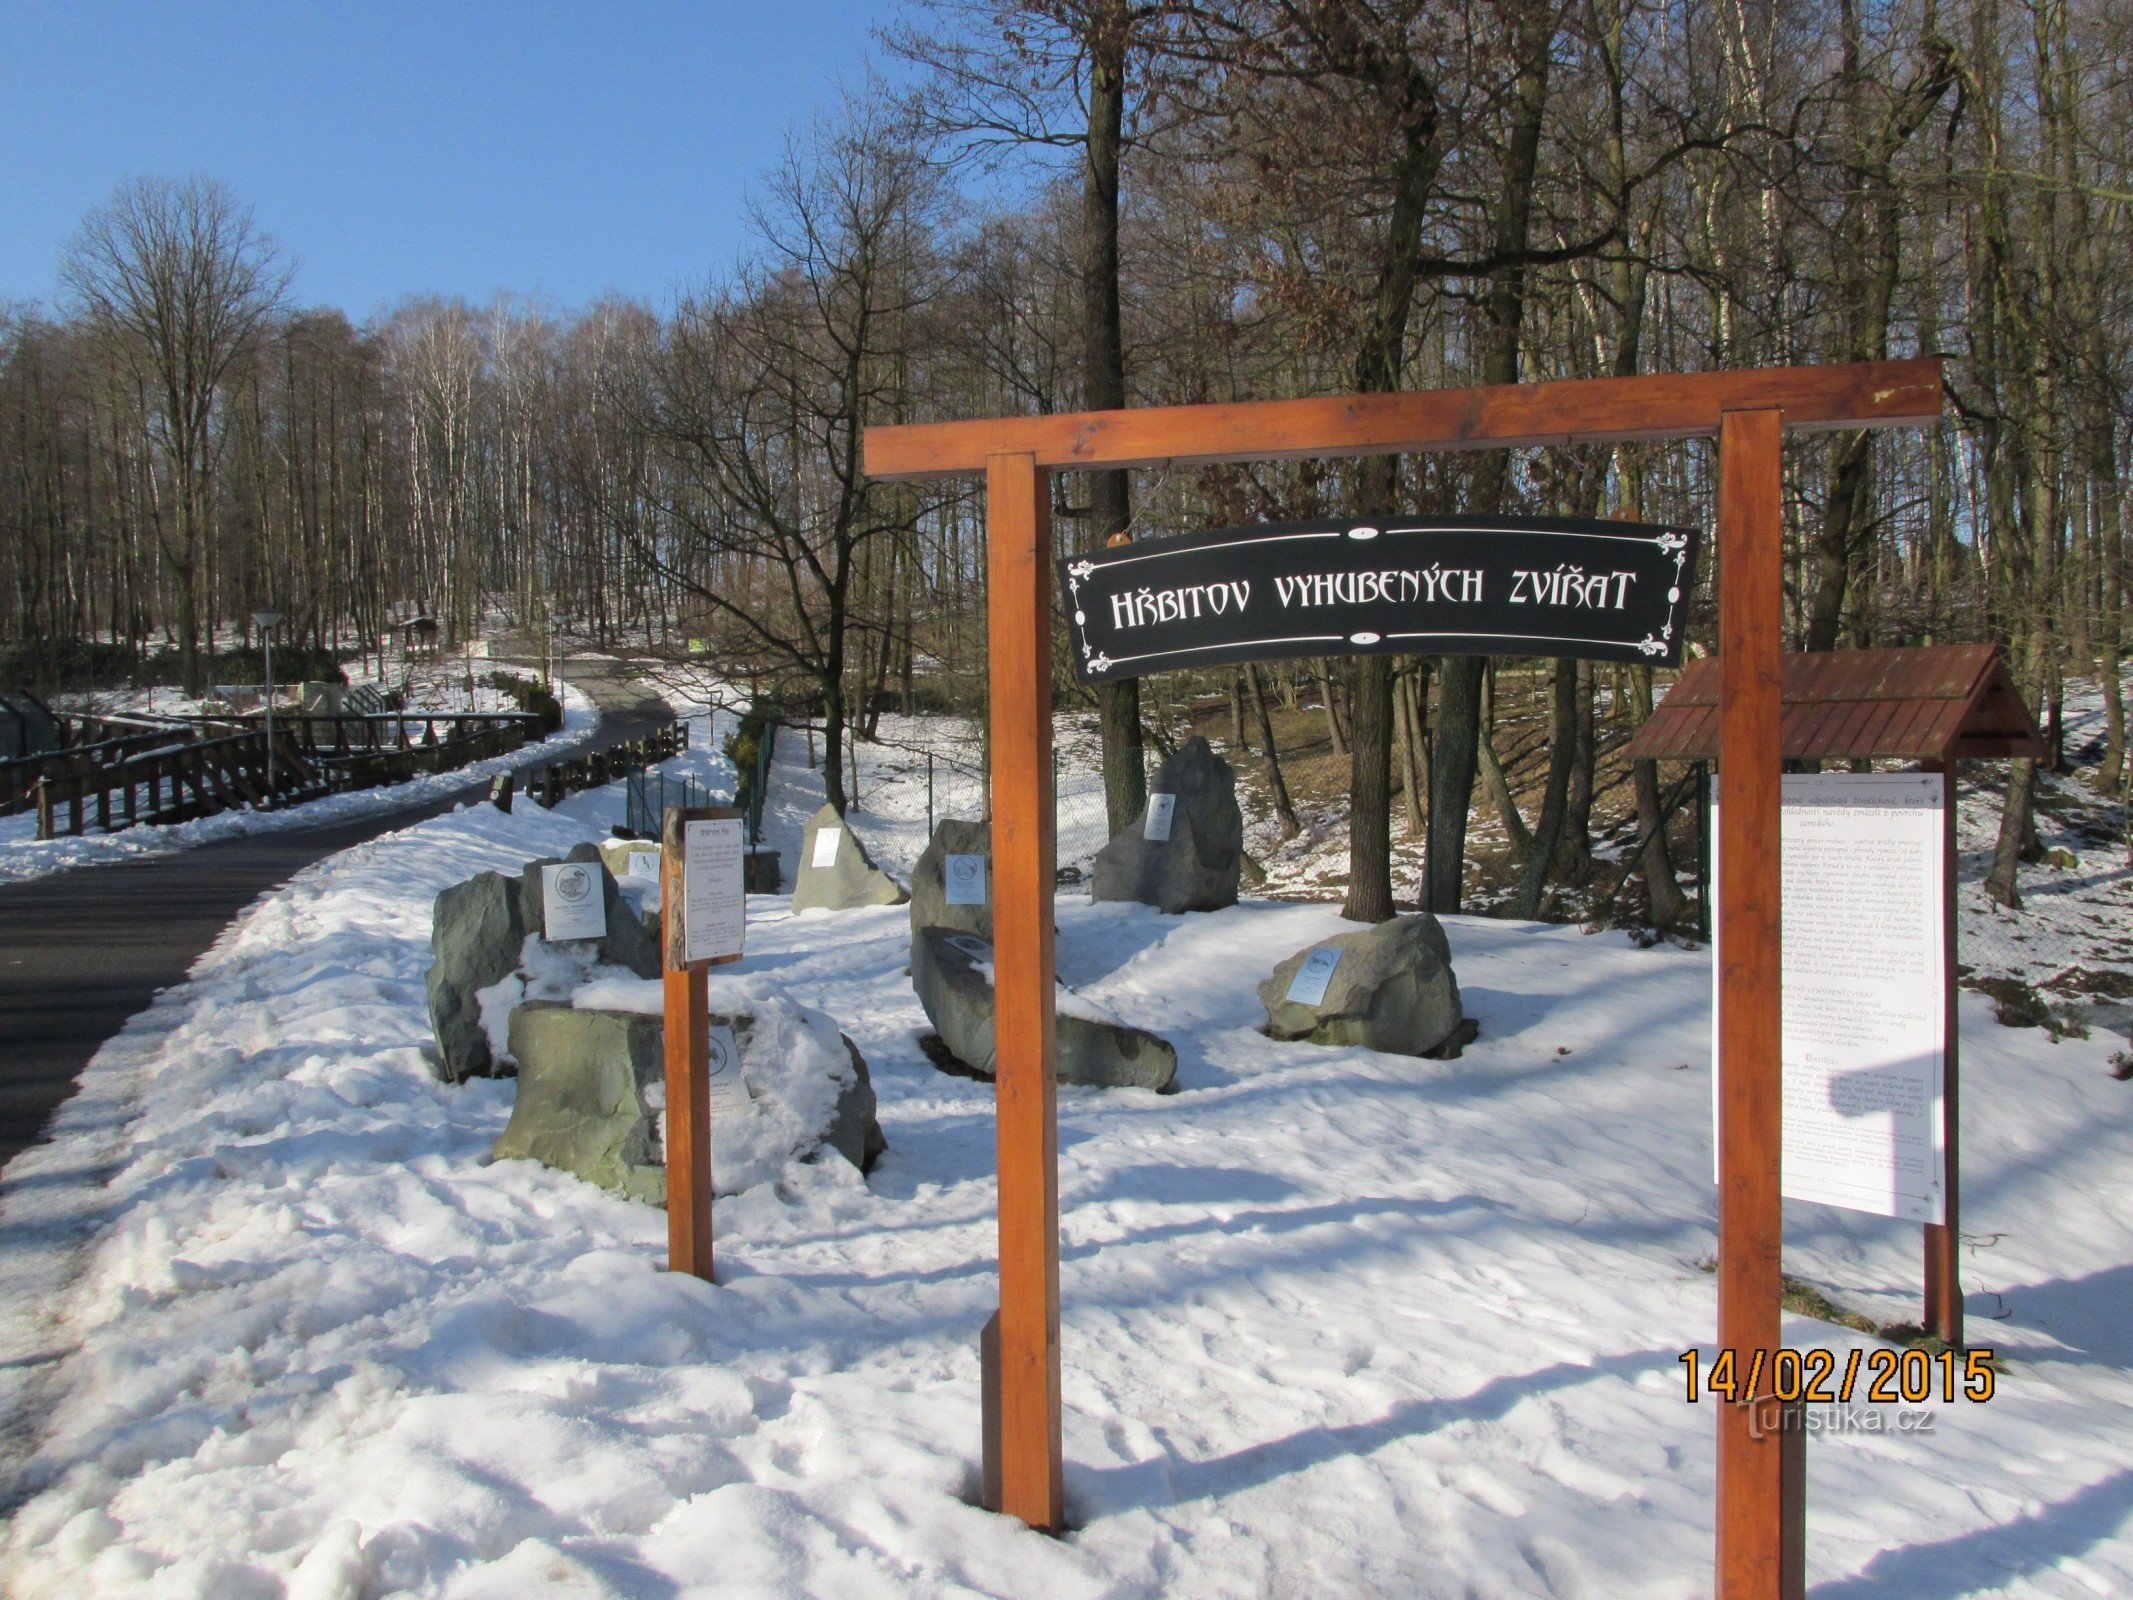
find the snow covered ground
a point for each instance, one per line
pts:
(893, 778)
(1335, 1322)
(24, 855)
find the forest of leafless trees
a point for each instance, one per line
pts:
(1103, 202)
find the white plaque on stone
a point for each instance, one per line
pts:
(1863, 1036)
(1308, 987)
(976, 949)
(726, 1091)
(965, 878)
(1161, 808)
(714, 905)
(826, 840)
(644, 864)
(572, 904)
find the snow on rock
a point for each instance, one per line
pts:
(1334, 1322)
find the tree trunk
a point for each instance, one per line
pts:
(1494, 779)
(1562, 755)
(1331, 707)
(1104, 378)
(1408, 697)
(2015, 826)
(1452, 771)
(1284, 809)
(1573, 853)
(1370, 805)
(1669, 905)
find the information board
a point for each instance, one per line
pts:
(572, 905)
(1162, 807)
(826, 842)
(714, 901)
(1864, 1031)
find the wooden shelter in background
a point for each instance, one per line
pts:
(1941, 702)
(1933, 704)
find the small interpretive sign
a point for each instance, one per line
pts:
(1308, 987)
(572, 905)
(826, 842)
(714, 901)
(727, 1094)
(1161, 808)
(644, 864)
(965, 878)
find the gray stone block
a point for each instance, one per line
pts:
(476, 933)
(855, 1133)
(1392, 990)
(589, 1087)
(951, 973)
(850, 880)
(929, 886)
(1196, 868)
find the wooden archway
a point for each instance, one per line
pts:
(1760, 1531)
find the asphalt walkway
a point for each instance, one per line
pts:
(83, 950)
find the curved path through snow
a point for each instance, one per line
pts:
(83, 950)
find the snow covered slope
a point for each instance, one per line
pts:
(1336, 1323)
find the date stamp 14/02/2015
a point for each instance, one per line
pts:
(1823, 1377)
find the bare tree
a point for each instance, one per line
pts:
(179, 280)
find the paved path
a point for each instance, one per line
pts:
(83, 950)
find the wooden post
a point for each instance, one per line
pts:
(1944, 1288)
(1019, 621)
(1760, 1522)
(688, 1061)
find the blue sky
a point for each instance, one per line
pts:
(444, 147)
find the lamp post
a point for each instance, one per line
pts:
(266, 621)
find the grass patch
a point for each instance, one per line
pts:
(1803, 1299)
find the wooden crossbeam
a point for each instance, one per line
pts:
(1866, 394)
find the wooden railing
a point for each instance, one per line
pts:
(201, 767)
(354, 765)
(180, 780)
(19, 778)
(551, 783)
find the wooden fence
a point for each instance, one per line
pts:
(19, 778)
(211, 764)
(550, 784)
(175, 782)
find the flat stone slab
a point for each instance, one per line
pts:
(590, 1088)
(1388, 987)
(953, 976)
(836, 872)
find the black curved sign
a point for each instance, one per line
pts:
(1521, 586)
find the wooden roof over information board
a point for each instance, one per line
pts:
(1946, 702)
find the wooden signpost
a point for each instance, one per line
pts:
(713, 896)
(1760, 1527)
